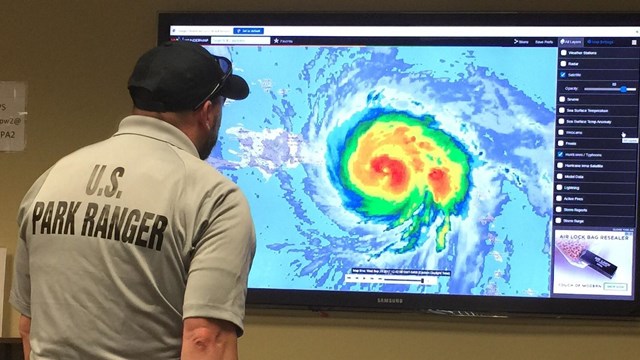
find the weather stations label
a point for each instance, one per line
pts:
(12, 115)
(593, 262)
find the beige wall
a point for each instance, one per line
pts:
(76, 57)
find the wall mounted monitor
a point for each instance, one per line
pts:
(448, 163)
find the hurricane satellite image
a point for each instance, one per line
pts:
(425, 158)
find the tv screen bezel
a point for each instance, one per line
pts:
(473, 305)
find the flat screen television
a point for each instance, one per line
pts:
(464, 164)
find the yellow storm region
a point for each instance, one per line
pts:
(393, 160)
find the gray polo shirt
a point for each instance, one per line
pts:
(122, 240)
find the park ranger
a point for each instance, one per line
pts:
(133, 247)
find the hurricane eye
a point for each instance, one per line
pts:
(396, 170)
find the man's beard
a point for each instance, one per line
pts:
(206, 149)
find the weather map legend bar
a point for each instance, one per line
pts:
(391, 279)
(395, 276)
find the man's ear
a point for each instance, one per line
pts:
(203, 115)
(216, 104)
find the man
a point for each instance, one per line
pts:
(134, 248)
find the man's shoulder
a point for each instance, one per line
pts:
(206, 175)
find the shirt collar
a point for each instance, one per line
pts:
(156, 129)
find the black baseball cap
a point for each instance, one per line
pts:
(180, 75)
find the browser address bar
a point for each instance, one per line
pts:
(240, 40)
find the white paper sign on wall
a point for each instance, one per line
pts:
(13, 113)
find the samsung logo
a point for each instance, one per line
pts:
(390, 301)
